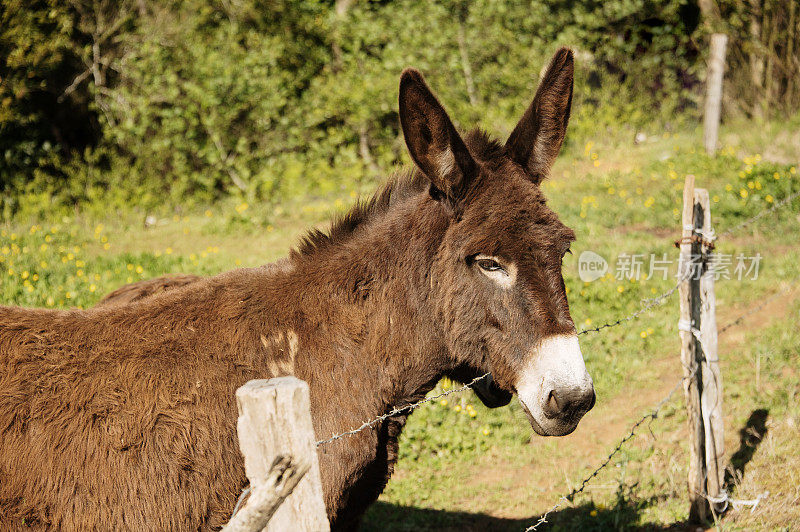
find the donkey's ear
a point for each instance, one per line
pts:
(432, 140)
(537, 139)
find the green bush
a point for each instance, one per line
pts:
(119, 103)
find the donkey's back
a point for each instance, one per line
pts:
(121, 417)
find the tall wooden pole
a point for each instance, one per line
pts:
(716, 69)
(702, 377)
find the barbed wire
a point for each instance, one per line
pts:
(653, 414)
(649, 303)
(754, 310)
(413, 406)
(785, 201)
(399, 410)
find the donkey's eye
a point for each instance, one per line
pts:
(491, 268)
(488, 265)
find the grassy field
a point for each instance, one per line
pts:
(464, 467)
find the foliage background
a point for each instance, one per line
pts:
(111, 103)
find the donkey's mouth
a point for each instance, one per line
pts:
(537, 428)
(559, 428)
(490, 394)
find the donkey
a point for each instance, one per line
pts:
(123, 416)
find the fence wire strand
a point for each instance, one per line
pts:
(785, 201)
(754, 310)
(653, 414)
(649, 303)
(407, 408)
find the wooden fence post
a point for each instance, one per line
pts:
(698, 332)
(716, 69)
(698, 508)
(275, 419)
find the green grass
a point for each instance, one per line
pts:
(463, 466)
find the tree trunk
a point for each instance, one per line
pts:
(710, 15)
(713, 104)
(341, 8)
(756, 58)
(364, 152)
(791, 72)
(769, 73)
(465, 65)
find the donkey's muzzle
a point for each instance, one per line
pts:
(554, 387)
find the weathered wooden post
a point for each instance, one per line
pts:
(698, 332)
(275, 420)
(698, 508)
(716, 69)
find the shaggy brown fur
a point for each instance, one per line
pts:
(122, 417)
(137, 291)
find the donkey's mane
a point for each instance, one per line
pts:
(401, 186)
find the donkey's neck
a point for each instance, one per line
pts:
(378, 338)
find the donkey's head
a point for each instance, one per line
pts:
(499, 294)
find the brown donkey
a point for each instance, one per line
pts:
(123, 417)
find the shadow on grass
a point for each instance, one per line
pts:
(624, 515)
(750, 437)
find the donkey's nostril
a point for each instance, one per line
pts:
(551, 407)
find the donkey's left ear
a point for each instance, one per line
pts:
(537, 139)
